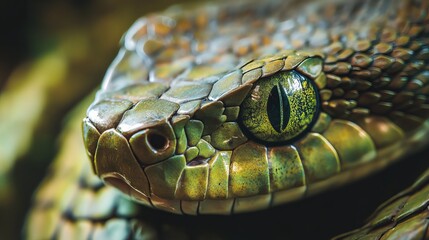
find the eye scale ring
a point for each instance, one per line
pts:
(280, 108)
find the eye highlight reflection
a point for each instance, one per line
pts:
(280, 108)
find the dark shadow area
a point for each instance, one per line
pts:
(14, 24)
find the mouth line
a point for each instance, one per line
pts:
(118, 181)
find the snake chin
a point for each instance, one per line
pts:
(119, 182)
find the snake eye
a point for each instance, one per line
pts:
(280, 108)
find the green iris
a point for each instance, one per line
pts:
(279, 108)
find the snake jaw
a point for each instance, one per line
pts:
(121, 183)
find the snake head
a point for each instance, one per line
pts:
(191, 136)
(205, 141)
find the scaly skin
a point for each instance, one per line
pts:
(171, 129)
(204, 131)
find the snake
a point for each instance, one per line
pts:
(231, 108)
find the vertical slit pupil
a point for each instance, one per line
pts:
(278, 108)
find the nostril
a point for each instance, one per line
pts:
(154, 144)
(157, 141)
